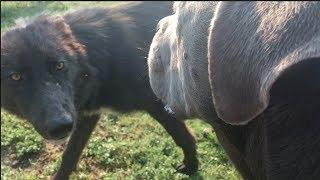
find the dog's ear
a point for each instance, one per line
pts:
(68, 40)
(59, 22)
(244, 64)
(241, 96)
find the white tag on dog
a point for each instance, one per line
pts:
(168, 109)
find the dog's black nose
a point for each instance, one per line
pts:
(60, 128)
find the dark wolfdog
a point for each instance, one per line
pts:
(56, 70)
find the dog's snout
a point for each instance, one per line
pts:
(60, 127)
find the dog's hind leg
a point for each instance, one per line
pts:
(77, 142)
(182, 137)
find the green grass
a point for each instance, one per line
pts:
(123, 146)
(10, 11)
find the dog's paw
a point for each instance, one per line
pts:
(188, 169)
(59, 177)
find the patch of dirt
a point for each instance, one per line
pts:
(51, 153)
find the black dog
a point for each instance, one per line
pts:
(58, 71)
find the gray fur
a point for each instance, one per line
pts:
(178, 59)
(255, 50)
(250, 45)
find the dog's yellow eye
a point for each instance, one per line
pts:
(16, 76)
(60, 66)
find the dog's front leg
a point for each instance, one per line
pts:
(77, 142)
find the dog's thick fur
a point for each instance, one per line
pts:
(178, 57)
(264, 67)
(256, 43)
(264, 73)
(104, 51)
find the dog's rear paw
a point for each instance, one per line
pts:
(60, 177)
(188, 169)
